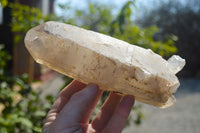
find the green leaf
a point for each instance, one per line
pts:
(40, 113)
(37, 129)
(17, 38)
(3, 3)
(26, 122)
(3, 130)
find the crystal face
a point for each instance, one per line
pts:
(177, 63)
(112, 64)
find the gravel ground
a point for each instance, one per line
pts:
(184, 117)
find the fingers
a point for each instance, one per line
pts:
(120, 115)
(66, 94)
(62, 99)
(74, 86)
(106, 111)
(76, 102)
(73, 111)
(86, 117)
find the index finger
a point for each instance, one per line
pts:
(66, 94)
(60, 102)
(120, 115)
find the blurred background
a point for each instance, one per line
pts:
(27, 89)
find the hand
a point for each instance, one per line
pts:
(72, 110)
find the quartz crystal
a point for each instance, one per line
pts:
(112, 64)
(177, 63)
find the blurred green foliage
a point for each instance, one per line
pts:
(22, 109)
(3, 3)
(25, 17)
(181, 19)
(99, 17)
(4, 57)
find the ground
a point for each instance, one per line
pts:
(183, 117)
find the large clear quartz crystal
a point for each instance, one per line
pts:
(112, 64)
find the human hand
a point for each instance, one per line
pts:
(72, 109)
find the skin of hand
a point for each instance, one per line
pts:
(72, 109)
